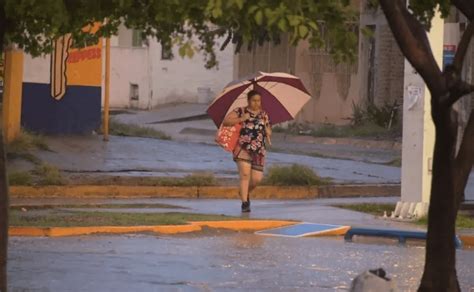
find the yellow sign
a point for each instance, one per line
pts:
(71, 66)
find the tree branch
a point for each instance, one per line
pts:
(466, 7)
(413, 42)
(464, 160)
(457, 88)
(463, 46)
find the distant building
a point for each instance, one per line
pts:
(376, 77)
(144, 74)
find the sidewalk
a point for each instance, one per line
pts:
(315, 211)
(151, 157)
(202, 130)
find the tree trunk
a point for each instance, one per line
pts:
(3, 184)
(440, 263)
(3, 216)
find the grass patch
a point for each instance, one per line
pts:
(96, 206)
(26, 142)
(397, 162)
(294, 175)
(48, 175)
(363, 131)
(131, 130)
(68, 219)
(188, 181)
(374, 209)
(462, 221)
(20, 178)
(21, 147)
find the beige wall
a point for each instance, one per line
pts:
(333, 87)
(267, 58)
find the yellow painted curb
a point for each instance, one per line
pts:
(86, 191)
(214, 192)
(238, 225)
(333, 232)
(249, 225)
(467, 240)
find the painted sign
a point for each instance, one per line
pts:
(68, 100)
(449, 51)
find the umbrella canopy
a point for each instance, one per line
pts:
(283, 96)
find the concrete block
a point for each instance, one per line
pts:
(373, 281)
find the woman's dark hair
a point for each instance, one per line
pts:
(252, 93)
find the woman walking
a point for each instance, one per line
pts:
(283, 97)
(249, 153)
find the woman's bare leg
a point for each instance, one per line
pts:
(244, 173)
(255, 179)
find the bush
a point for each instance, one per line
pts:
(27, 141)
(48, 175)
(197, 179)
(294, 175)
(131, 130)
(20, 179)
(369, 113)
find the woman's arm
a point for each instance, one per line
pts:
(232, 119)
(268, 130)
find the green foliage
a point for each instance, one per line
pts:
(358, 114)
(365, 130)
(32, 24)
(189, 180)
(56, 218)
(20, 179)
(369, 113)
(425, 10)
(131, 130)
(294, 175)
(48, 175)
(374, 209)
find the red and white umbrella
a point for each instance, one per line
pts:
(283, 96)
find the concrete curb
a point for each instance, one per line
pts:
(215, 192)
(235, 225)
(362, 143)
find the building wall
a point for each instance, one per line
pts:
(163, 81)
(61, 92)
(334, 87)
(389, 61)
(187, 80)
(130, 67)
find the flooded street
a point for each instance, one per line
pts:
(212, 262)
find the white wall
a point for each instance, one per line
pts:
(178, 80)
(164, 81)
(37, 70)
(129, 65)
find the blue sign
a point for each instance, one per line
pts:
(449, 51)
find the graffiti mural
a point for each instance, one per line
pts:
(68, 101)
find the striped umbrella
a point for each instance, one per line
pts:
(283, 96)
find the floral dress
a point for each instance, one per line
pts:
(251, 144)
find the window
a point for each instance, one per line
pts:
(137, 38)
(134, 92)
(166, 52)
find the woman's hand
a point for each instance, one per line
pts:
(245, 116)
(268, 130)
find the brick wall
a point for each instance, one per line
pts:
(389, 67)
